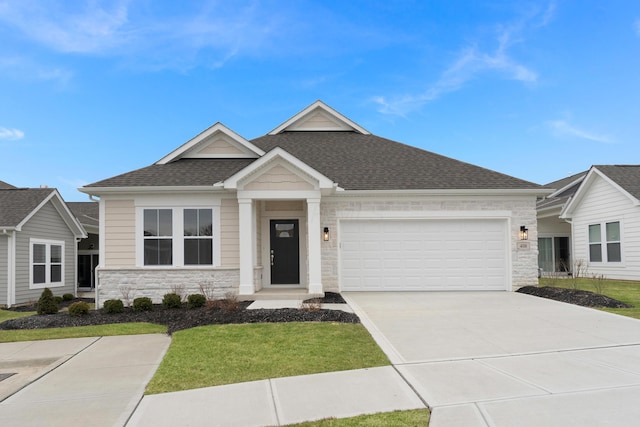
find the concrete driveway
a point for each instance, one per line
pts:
(505, 359)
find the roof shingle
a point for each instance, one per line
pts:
(16, 204)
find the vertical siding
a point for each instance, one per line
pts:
(120, 233)
(45, 224)
(604, 203)
(4, 268)
(230, 233)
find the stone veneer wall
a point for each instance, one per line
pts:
(155, 283)
(524, 263)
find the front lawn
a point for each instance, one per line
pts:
(625, 291)
(80, 331)
(414, 418)
(8, 315)
(226, 354)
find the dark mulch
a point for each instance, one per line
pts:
(329, 298)
(574, 296)
(183, 318)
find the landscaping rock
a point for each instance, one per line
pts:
(573, 296)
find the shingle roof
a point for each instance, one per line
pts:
(368, 162)
(184, 172)
(16, 204)
(5, 186)
(557, 185)
(88, 213)
(626, 176)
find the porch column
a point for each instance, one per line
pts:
(246, 246)
(313, 244)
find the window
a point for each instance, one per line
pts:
(611, 250)
(198, 237)
(158, 241)
(47, 263)
(177, 236)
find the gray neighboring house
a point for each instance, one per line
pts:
(318, 204)
(592, 217)
(38, 244)
(87, 214)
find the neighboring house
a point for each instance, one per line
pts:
(87, 214)
(554, 233)
(38, 237)
(318, 204)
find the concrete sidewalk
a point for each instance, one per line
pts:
(78, 381)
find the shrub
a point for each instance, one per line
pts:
(47, 303)
(142, 304)
(78, 309)
(196, 300)
(57, 299)
(228, 303)
(172, 300)
(67, 297)
(113, 306)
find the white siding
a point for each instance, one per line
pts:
(604, 203)
(4, 269)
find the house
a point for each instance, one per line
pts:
(604, 219)
(318, 204)
(554, 233)
(87, 213)
(38, 237)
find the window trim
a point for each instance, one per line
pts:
(48, 244)
(604, 249)
(178, 237)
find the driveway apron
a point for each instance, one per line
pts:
(503, 358)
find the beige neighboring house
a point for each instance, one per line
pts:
(318, 204)
(593, 218)
(38, 235)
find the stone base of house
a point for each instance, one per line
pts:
(128, 284)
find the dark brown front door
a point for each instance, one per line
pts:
(285, 252)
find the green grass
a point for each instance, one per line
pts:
(625, 291)
(81, 331)
(415, 418)
(226, 354)
(8, 315)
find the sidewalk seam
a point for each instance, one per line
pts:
(273, 401)
(424, 402)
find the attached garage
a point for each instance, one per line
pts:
(424, 255)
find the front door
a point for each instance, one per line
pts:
(285, 252)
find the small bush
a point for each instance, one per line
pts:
(172, 300)
(78, 309)
(47, 303)
(67, 297)
(228, 303)
(113, 306)
(57, 299)
(142, 304)
(196, 300)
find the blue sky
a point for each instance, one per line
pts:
(537, 90)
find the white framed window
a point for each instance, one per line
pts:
(605, 244)
(178, 236)
(46, 263)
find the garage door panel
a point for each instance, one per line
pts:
(423, 255)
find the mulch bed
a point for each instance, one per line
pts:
(185, 318)
(574, 296)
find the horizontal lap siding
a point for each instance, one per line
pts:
(604, 203)
(45, 224)
(229, 233)
(119, 230)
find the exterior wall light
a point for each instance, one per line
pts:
(325, 234)
(524, 233)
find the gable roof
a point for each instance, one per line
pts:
(88, 213)
(563, 190)
(625, 178)
(333, 146)
(18, 205)
(5, 186)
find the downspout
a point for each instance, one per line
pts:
(11, 267)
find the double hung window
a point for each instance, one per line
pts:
(47, 263)
(604, 242)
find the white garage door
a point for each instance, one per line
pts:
(408, 255)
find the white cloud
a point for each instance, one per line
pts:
(561, 128)
(11, 134)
